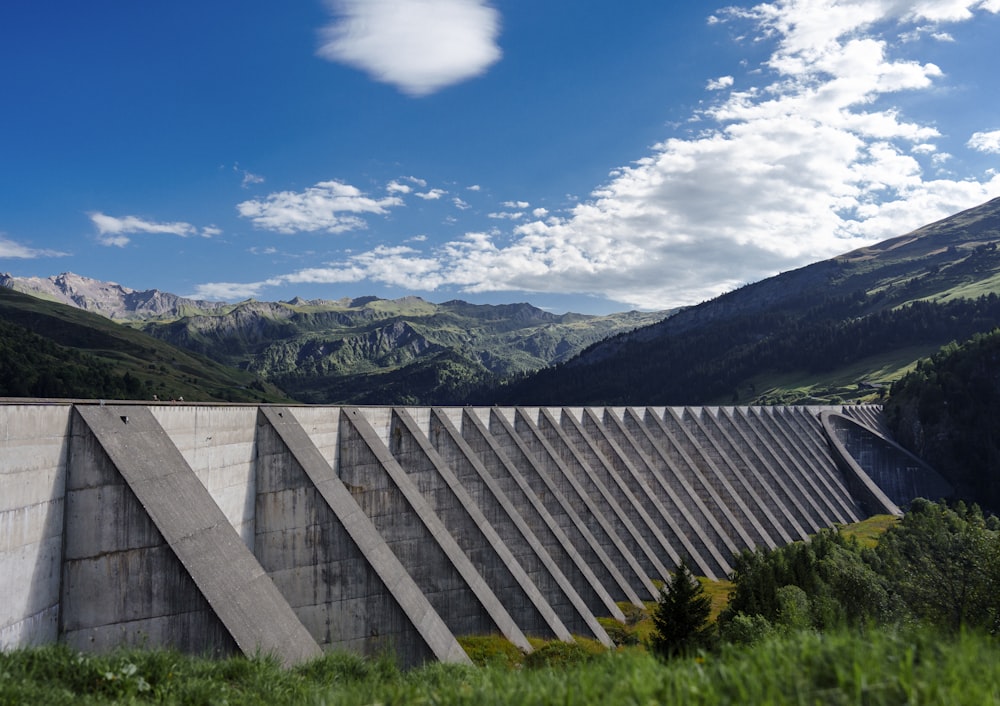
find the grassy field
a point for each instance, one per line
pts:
(874, 667)
(870, 667)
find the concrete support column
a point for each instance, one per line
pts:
(517, 488)
(417, 536)
(480, 542)
(732, 513)
(606, 526)
(512, 527)
(328, 559)
(151, 557)
(698, 534)
(606, 473)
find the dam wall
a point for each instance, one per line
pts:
(292, 530)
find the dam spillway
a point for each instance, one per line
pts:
(295, 529)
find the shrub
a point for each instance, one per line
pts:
(557, 655)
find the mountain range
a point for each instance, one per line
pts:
(360, 351)
(839, 330)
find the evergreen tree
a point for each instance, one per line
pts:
(680, 618)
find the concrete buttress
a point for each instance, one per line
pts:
(292, 529)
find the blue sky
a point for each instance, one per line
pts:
(581, 155)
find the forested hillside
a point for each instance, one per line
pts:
(53, 350)
(838, 330)
(738, 361)
(33, 366)
(948, 412)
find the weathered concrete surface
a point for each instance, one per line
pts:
(880, 472)
(417, 535)
(463, 519)
(513, 528)
(237, 527)
(33, 457)
(328, 558)
(220, 445)
(130, 574)
(518, 490)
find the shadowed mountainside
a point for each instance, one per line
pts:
(836, 330)
(49, 349)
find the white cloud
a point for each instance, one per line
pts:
(812, 161)
(717, 84)
(432, 195)
(394, 187)
(329, 206)
(399, 266)
(799, 168)
(460, 204)
(986, 142)
(516, 204)
(419, 46)
(14, 250)
(231, 291)
(115, 230)
(248, 179)
(474, 187)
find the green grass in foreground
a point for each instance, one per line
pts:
(878, 667)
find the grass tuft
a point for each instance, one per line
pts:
(877, 666)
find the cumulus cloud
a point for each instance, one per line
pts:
(986, 141)
(17, 251)
(431, 195)
(801, 167)
(231, 291)
(811, 161)
(419, 46)
(115, 230)
(330, 206)
(717, 84)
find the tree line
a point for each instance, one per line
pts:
(34, 366)
(938, 567)
(947, 411)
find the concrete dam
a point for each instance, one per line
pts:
(225, 528)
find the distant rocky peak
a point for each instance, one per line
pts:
(108, 299)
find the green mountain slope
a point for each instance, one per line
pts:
(49, 349)
(948, 412)
(836, 330)
(378, 351)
